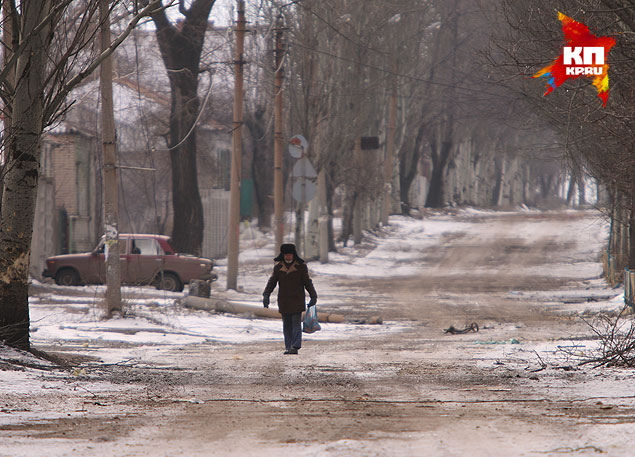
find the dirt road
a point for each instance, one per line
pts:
(505, 391)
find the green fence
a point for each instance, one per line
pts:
(629, 287)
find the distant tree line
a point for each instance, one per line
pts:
(445, 81)
(594, 140)
(348, 60)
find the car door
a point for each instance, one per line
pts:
(144, 261)
(100, 260)
(91, 274)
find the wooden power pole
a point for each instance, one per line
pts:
(236, 166)
(390, 154)
(357, 208)
(278, 200)
(109, 151)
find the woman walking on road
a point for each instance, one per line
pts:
(291, 275)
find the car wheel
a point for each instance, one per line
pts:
(67, 277)
(169, 282)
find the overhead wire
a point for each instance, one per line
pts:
(146, 133)
(385, 71)
(198, 116)
(381, 52)
(399, 74)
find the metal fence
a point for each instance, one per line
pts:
(216, 216)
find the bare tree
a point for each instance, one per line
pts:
(259, 113)
(34, 84)
(181, 45)
(594, 139)
(338, 86)
(343, 68)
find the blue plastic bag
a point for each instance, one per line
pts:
(310, 323)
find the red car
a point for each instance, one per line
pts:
(145, 259)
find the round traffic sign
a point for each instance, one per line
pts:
(298, 146)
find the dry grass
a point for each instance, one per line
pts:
(616, 336)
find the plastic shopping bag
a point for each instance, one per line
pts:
(310, 323)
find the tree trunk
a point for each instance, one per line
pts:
(187, 231)
(527, 197)
(181, 52)
(298, 235)
(631, 227)
(546, 183)
(347, 216)
(497, 198)
(581, 191)
(476, 179)
(262, 157)
(408, 172)
(625, 237)
(21, 179)
(571, 190)
(434, 199)
(329, 206)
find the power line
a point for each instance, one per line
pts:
(401, 75)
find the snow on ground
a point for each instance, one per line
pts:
(155, 318)
(161, 321)
(397, 249)
(63, 316)
(154, 321)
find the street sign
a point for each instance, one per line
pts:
(303, 190)
(303, 168)
(298, 146)
(369, 142)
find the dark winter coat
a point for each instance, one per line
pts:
(291, 280)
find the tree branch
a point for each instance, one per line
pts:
(25, 40)
(622, 12)
(53, 106)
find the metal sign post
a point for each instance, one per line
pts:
(304, 186)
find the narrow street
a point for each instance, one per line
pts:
(404, 388)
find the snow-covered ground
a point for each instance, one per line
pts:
(65, 316)
(156, 323)
(156, 318)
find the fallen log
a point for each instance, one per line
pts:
(216, 304)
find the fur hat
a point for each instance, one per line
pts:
(288, 248)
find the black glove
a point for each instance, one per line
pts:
(265, 301)
(312, 302)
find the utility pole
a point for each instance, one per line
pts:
(278, 201)
(323, 222)
(357, 208)
(236, 167)
(390, 154)
(111, 190)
